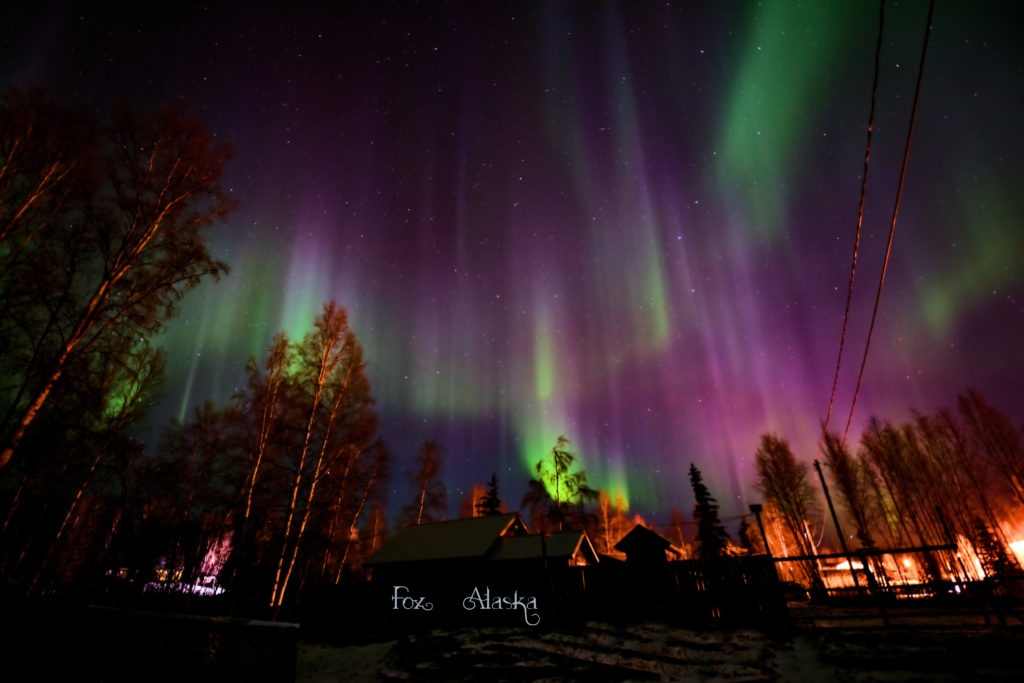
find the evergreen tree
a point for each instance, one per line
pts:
(490, 504)
(712, 538)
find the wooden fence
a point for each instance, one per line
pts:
(731, 590)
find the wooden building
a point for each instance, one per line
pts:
(448, 563)
(491, 570)
(644, 547)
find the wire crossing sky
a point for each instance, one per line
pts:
(625, 222)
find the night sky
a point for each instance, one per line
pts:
(630, 223)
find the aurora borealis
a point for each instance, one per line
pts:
(627, 222)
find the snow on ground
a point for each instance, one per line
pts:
(645, 652)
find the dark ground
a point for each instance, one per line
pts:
(821, 644)
(653, 652)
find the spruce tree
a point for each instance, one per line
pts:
(490, 504)
(712, 538)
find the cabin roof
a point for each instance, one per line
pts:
(456, 539)
(563, 544)
(643, 539)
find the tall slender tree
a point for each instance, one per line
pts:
(430, 503)
(783, 482)
(712, 538)
(852, 487)
(677, 524)
(997, 439)
(125, 382)
(262, 404)
(330, 374)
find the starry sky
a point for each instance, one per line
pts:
(630, 223)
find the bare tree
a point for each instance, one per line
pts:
(998, 440)
(678, 524)
(261, 402)
(567, 488)
(126, 381)
(908, 490)
(117, 262)
(369, 486)
(430, 502)
(195, 455)
(47, 150)
(852, 486)
(783, 482)
(331, 372)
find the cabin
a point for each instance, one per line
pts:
(480, 545)
(447, 563)
(646, 548)
(460, 544)
(492, 570)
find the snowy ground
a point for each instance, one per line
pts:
(601, 651)
(822, 644)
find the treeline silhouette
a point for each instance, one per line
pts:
(102, 222)
(952, 478)
(102, 231)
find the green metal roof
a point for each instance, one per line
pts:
(557, 545)
(459, 538)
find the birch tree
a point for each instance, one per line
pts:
(107, 254)
(331, 373)
(262, 404)
(783, 482)
(430, 499)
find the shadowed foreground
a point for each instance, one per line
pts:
(655, 652)
(92, 644)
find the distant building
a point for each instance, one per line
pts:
(478, 544)
(644, 547)
(560, 549)
(448, 563)
(485, 570)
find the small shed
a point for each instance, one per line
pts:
(644, 547)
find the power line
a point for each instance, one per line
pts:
(895, 212)
(856, 239)
(860, 212)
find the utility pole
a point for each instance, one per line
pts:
(835, 521)
(756, 509)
